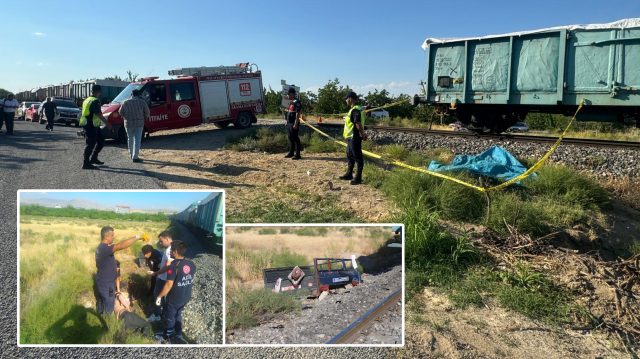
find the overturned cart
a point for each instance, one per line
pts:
(324, 274)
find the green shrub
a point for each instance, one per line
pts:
(398, 152)
(306, 231)
(273, 142)
(243, 307)
(567, 185)
(507, 206)
(267, 231)
(460, 203)
(49, 237)
(284, 230)
(322, 231)
(318, 144)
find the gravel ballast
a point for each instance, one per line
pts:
(202, 316)
(322, 320)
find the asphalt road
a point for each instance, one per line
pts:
(37, 159)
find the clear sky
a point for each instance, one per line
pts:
(136, 200)
(366, 44)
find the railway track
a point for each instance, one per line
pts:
(358, 328)
(503, 137)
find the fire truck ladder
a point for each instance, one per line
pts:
(216, 70)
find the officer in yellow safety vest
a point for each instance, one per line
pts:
(91, 119)
(354, 134)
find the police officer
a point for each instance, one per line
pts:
(91, 118)
(293, 125)
(354, 134)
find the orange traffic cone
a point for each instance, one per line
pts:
(319, 119)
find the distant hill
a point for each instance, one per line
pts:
(76, 203)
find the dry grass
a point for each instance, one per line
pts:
(49, 244)
(248, 252)
(626, 190)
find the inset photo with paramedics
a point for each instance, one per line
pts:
(356, 179)
(106, 267)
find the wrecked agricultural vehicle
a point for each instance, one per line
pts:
(324, 274)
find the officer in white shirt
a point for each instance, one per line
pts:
(9, 106)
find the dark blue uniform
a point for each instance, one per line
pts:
(181, 272)
(294, 140)
(106, 277)
(155, 259)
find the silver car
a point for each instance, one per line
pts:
(68, 111)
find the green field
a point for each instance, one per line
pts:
(57, 266)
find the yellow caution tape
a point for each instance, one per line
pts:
(528, 173)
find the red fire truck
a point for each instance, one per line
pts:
(219, 95)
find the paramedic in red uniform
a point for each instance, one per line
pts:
(293, 125)
(180, 277)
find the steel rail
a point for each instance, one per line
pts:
(504, 137)
(352, 332)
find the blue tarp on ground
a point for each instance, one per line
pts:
(495, 162)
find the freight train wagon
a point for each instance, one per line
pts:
(206, 215)
(490, 82)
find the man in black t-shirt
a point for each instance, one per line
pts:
(50, 109)
(154, 258)
(292, 116)
(107, 269)
(180, 277)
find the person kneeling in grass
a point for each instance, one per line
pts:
(154, 259)
(180, 277)
(131, 320)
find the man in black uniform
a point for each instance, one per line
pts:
(49, 109)
(107, 268)
(180, 277)
(93, 133)
(354, 134)
(293, 125)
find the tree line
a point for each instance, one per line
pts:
(72, 212)
(329, 100)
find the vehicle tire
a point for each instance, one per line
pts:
(243, 121)
(122, 135)
(67, 123)
(222, 124)
(77, 123)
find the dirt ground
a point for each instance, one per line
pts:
(442, 331)
(194, 158)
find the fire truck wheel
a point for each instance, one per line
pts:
(243, 120)
(222, 124)
(122, 135)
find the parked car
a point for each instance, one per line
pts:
(31, 114)
(380, 113)
(519, 127)
(68, 111)
(458, 126)
(22, 110)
